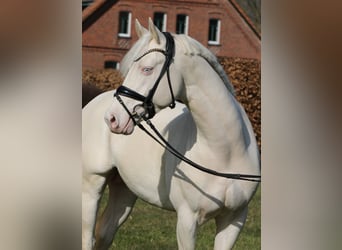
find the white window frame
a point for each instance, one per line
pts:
(128, 33)
(218, 33)
(186, 28)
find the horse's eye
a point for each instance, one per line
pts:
(147, 70)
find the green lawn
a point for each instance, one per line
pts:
(152, 228)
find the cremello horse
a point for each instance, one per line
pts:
(208, 126)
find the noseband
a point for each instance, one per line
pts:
(147, 110)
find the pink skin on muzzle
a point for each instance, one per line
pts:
(119, 122)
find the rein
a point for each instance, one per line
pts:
(148, 112)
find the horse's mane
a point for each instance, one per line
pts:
(190, 47)
(193, 48)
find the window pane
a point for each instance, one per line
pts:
(110, 65)
(86, 3)
(158, 20)
(123, 22)
(213, 29)
(181, 24)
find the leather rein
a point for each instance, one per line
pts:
(145, 111)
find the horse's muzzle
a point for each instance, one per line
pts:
(143, 111)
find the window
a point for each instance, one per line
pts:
(125, 24)
(111, 65)
(182, 24)
(86, 3)
(214, 32)
(159, 20)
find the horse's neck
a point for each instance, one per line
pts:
(214, 109)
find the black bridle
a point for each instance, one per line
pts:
(145, 111)
(147, 106)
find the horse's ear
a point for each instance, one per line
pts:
(139, 29)
(154, 31)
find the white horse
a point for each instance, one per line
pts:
(208, 126)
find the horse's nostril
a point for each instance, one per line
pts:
(112, 120)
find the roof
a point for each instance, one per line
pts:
(244, 15)
(94, 10)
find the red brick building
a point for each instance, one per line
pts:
(108, 27)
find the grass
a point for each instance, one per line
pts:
(152, 228)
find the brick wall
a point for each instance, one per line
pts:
(101, 42)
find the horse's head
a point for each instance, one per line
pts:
(152, 81)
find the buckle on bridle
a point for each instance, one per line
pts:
(141, 111)
(144, 111)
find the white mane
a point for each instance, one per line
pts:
(189, 46)
(193, 48)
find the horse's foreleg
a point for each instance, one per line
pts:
(92, 187)
(120, 203)
(228, 229)
(186, 229)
